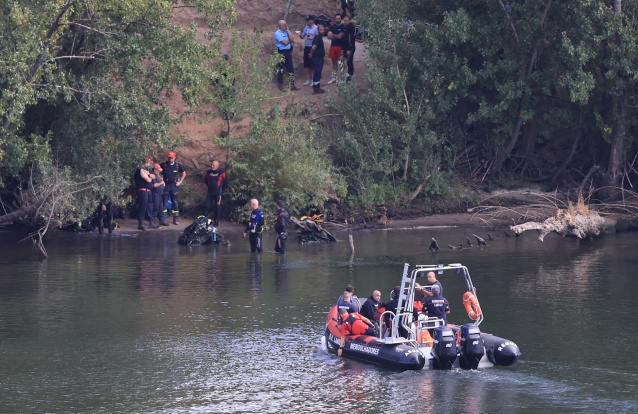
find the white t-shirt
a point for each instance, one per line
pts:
(309, 31)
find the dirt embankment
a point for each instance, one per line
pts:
(205, 123)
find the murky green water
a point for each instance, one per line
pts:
(137, 323)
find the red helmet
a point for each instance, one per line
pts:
(172, 155)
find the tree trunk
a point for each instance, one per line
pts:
(499, 159)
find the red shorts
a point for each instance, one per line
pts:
(335, 52)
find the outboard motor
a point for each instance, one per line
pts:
(472, 347)
(444, 349)
(501, 351)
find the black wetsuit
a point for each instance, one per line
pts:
(281, 228)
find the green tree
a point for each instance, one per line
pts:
(498, 89)
(85, 84)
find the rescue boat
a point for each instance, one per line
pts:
(426, 343)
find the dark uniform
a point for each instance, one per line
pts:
(392, 307)
(143, 198)
(254, 229)
(349, 45)
(317, 61)
(351, 307)
(157, 196)
(171, 177)
(281, 228)
(370, 307)
(104, 212)
(437, 306)
(215, 181)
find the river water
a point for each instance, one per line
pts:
(137, 323)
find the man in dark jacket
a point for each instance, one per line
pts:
(436, 305)
(143, 183)
(281, 227)
(215, 180)
(349, 45)
(255, 226)
(371, 306)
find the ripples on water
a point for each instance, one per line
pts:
(140, 324)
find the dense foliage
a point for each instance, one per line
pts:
(83, 92)
(492, 90)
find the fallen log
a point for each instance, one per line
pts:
(570, 223)
(310, 231)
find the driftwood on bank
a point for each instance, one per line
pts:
(573, 222)
(311, 231)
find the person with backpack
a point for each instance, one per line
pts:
(255, 226)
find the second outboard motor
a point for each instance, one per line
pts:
(472, 347)
(444, 349)
(501, 351)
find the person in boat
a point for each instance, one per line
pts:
(419, 297)
(371, 306)
(392, 307)
(436, 305)
(352, 299)
(431, 276)
(345, 302)
(355, 324)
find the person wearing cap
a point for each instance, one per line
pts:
(436, 305)
(284, 42)
(317, 54)
(215, 180)
(309, 32)
(174, 175)
(143, 183)
(281, 227)
(158, 217)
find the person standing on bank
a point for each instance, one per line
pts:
(157, 198)
(336, 34)
(281, 227)
(349, 45)
(309, 33)
(317, 54)
(215, 180)
(143, 183)
(284, 42)
(174, 175)
(255, 226)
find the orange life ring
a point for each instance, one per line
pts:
(472, 306)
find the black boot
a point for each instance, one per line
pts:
(162, 221)
(140, 225)
(153, 224)
(175, 219)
